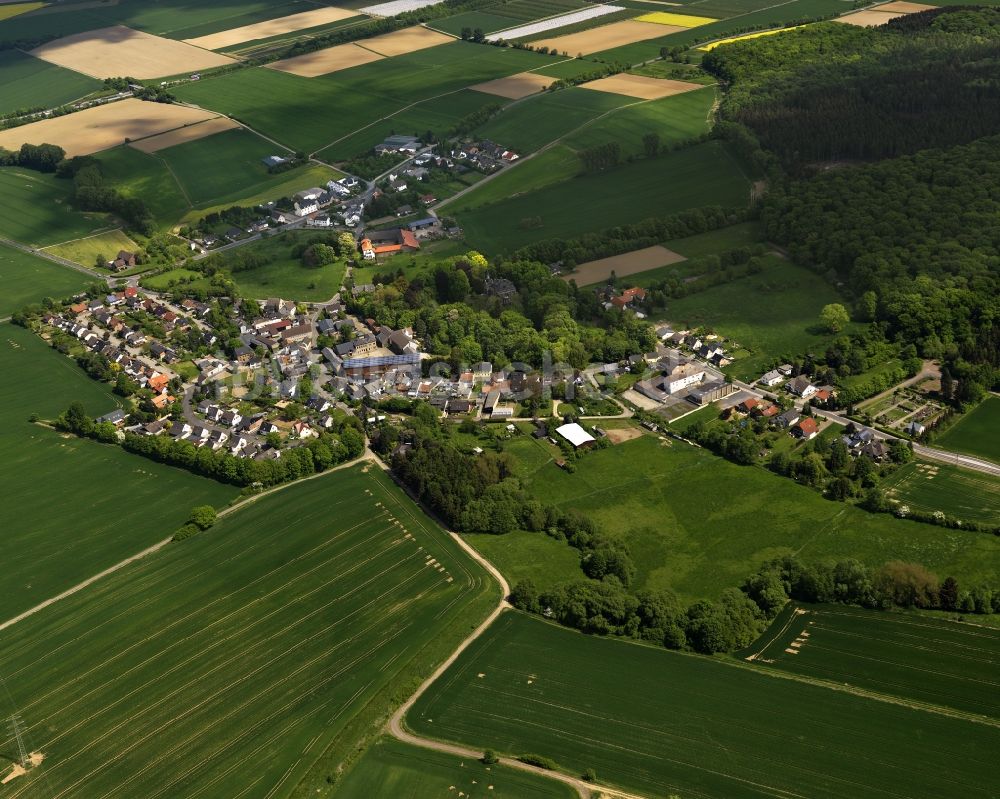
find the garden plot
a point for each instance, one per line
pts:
(117, 50)
(561, 21)
(323, 62)
(641, 86)
(104, 126)
(516, 86)
(607, 37)
(628, 263)
(272, 27)
(185, 134)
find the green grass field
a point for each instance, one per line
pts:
(74, 507)
(663, 723)
(298, 111)
(138, 174)
(175, 19)
(689, 178)
(30, 82)
(674, 119)
(86, 250)
(772, 314)
(543, 118)
(237, 658)
(918, 659)
(554, 165)
(439, 115)
(929, 486)
(395, 769)
(227, 167)
(742, 234)
(27, 279)
(34, 209)
(697, 524)
(976, 432)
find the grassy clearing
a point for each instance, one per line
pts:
(900, 654)
(298, 112)
(530, 556)
(86, 251)
(138, 174)
(931, 486)
(34, 209)
(27, 279)
(74, 507)
(771, 314)
(663, 723)
(538, 120)
(393, 768)
(698, 524)
(976, 432)
(273, 632)
(697, 176)
(30, 82)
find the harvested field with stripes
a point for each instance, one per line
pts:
(407, 40)
(190, 133)
(607, 37)
(323, 62)
(628, 263)
(272, 27)
(226, 664)
(109, 51)
(104, 126)
(641, 87)
(516, 86)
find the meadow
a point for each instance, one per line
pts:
(917, 659)
(27, 279)
(929, 486)
(976, 432)
(298, 113)
(543, 118)
(554, 165)
(393, 768)
(175, 19)
(109, 504)
(143, 175)
(30, 82)
(34, 209)
(771, 314)
(662, 723)
(697, 176)
(86, 251)
(698, 524)
(238, 658)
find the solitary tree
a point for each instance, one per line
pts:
(834, 317)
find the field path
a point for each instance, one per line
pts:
(367, 456)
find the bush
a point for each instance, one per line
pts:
(203, 517)
(490, 757)
(186, 531)
(539, 760)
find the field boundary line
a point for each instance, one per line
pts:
(82, 238)
(367, 456)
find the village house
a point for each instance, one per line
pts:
(806, 429)
(801, 387)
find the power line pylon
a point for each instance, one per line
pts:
(17, 730)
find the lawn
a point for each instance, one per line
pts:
(248, 660)
(976, 433)
(693, 177)
(393, 768)
(34, 209)
(30, 82)
(226, 167)
(916, 659)
(26, 279)
(175, 19)
(85, 251)
(674, 119)
(299, 112)
(164, 281)
(543, 118)
(663, 723)
(74, 507)
(138, 174)
(773, 314)
(929, 486)
(698, 524)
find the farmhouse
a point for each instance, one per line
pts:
(576, 435)
(124, 260)
(388, 242)
(398, 144)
